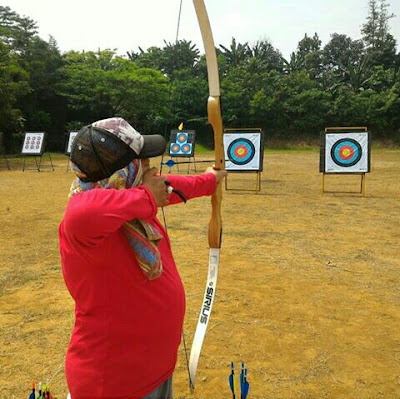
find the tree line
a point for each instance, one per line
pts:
(344, 83)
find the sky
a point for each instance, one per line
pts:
(125, 25)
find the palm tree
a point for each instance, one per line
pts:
(357, 75)
(296, 63)
(237, 53)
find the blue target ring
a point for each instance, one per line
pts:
(346, 152)
(241, 151)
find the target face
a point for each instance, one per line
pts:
(182, 138)
(175, 148)
(346, 153)
(243, 151)
(33, 143)
(186, 148)
(71, 138)
(182, 143)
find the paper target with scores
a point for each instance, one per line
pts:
(33, 143)
(243, 151)
(345, 152)
(182, 143)
(71, 138)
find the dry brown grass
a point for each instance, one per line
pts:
(308, 293)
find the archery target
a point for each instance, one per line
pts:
(347, 152)
(182, 138)
(243, 151)
(71, 138)
(186, 148)
(33, 144)
(175, 148)
(182, 143)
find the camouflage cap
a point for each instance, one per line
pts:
(110, 144)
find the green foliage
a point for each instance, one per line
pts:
(392, 105)
(188, 96)
(33, 105)
(16, 31)
(237, 53)
(381, 46)
(180, 55)
(13, 86)
(99, 85)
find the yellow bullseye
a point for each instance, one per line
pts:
(241, 151)
(346, 152)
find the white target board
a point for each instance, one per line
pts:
(33, 143)
(71, 138)
(244, 151)
(346, 153)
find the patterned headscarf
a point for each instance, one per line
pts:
(142, 236)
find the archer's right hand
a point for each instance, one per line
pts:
(156, 184)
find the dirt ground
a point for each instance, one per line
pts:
(308, 292)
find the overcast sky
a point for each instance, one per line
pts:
(127, 24)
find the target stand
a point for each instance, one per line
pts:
(345, 151)
(362, 185)
(34, 145)
(244, 153)
(5, 164)
(257, 186)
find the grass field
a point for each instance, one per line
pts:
(308, 293)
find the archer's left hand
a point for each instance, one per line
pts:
(219, 174)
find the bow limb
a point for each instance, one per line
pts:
(215, 225)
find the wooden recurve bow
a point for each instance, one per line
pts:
(215, 224)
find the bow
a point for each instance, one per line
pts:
(215, 225)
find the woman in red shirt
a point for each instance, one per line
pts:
(118, 265)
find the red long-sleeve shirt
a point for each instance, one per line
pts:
(127, 328)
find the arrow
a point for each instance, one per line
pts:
(32, 395)
(232, 380)
(170, 163)
(244, 384)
